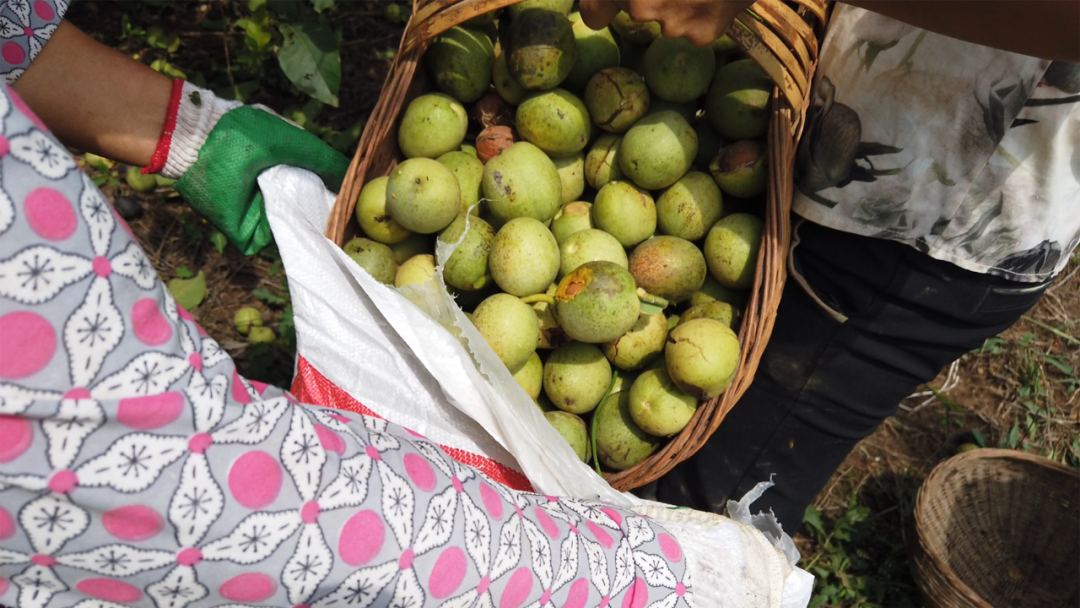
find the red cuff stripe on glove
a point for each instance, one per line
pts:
(161, 152)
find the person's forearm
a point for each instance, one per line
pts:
(95, 98)
(1049, 29)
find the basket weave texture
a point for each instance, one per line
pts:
(998, 529)
(783, 37)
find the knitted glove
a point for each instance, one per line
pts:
(216, 150)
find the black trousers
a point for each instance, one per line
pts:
(862, 323)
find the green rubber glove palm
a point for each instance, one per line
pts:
(222, 183)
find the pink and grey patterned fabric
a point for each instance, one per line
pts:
(25, 27)
(137, 468)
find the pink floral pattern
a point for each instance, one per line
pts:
(137, 466)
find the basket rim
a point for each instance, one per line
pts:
(803, 30)
(925, 555)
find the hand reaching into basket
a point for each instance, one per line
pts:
(101, 101)
(699, 21)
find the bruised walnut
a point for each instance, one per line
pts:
(492, 111)
(492, 141)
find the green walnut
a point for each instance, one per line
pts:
(460, 62)
(469, 172)
(640, 346)
(731, 250)
(669, 267)
(573, 217)
(556, 121)
(522, 182)
(524, 257)
(721, 311)
(422, 195)
(506, 85)
(372, 216)
(562, 7)
(540, 49)
(678, 71)
(531, 376)
(571, 175)
(411, 247)
(602, 161)
(597, 302)
(432, 125)
(616, 98)
(139, 182)
(658, 406)
(740, 169)
(690, 207)
(467, 266)
(712, 291)
(246, 318)
(576, 376)
(737, 103)
(702, 357)
(261, 335)
(374, 257)
(416, 270)
(589, 246)
(620, 442)
(596, 50)
(626, 212)
(510, 328)
(637, 32)
(572, 429)
(658, 150)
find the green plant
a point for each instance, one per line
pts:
(859, 557)
(267, 47)
(273, 362)
(1041, 424)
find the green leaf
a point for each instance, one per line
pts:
(254, 5)
(322, 5)
(311, 58)
(980, 440)
(157, 38)
(257, 30)
(168, 69)
(1014, 436)
(287, 325)
(812, 518)
(189, 293)
(219, 241)
(128, 30)
(184, 273)
(268, 296)
(100, 180)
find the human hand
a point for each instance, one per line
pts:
(218, 148)
(699, 21)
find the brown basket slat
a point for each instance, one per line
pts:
(998, 529)
(791, 28)
(782, 39)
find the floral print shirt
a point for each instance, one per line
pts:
(968, 153)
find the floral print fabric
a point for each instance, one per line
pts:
(25, 27)
(968, 153)
(137, 468)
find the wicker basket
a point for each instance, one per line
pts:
(781, 36)
(998, 529)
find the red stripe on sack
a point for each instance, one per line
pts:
(310, 386)
(161, 152)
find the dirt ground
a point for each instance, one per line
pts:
(1020, 391)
